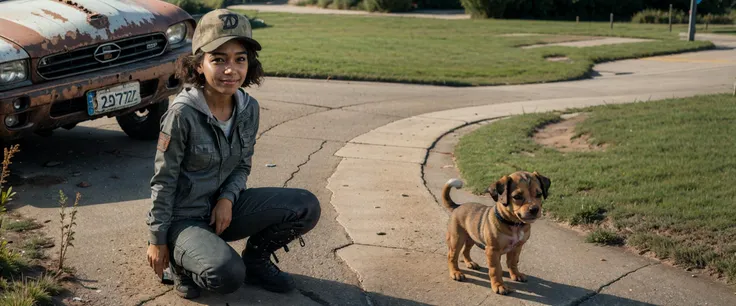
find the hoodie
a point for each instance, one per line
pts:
(196, 164)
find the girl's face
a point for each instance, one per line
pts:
(225, 68)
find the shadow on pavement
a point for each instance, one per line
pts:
(310, 291)
(102, 163)
(545, 292)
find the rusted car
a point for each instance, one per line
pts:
(63, 62)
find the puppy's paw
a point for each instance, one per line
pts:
(457, 275)
(501, 289)
(518, 277)
(472, 265)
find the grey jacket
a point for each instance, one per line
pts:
(195, 164)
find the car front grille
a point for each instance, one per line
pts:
(101, 56)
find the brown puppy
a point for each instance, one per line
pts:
(499, 229)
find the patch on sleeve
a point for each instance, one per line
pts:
(163, 141)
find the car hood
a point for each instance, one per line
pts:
(11, 52)
(45, 27)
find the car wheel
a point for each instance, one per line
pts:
(143, 124)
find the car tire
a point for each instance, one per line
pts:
(144, 124)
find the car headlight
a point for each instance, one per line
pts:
(12, 72)
(176, 33)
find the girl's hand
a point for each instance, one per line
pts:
(222, 215)
(158, 258)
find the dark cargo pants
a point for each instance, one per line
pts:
(210, 261)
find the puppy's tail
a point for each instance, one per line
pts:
(446, 199)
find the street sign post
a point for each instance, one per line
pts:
(693, 19)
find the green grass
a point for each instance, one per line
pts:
(665, 181)
(11, 262)
(602, 236)
(34, 246)
(22, 225)
(30, 292)
(450, 52)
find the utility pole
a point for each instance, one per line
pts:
(693, 19)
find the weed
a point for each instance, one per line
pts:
(602, 236)
(22, 225)
(7, 195)
(67, 228)
(11, 262)
(16, 298)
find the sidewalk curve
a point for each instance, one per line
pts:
(385, 202)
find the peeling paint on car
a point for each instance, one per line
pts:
(11, 52)
(33, 15)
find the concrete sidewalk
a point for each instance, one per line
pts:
(384, 193)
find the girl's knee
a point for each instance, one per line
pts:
(226, 276)
(312, 209)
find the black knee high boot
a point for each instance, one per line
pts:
(257, 258)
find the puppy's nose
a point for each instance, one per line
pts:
(534, 210)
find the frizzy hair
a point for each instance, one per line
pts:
(187, 69)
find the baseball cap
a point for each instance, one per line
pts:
(218, 27)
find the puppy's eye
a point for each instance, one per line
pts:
(518, 197)
(539, 195)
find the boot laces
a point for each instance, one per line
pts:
(286, 246)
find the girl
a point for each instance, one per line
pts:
(202, 164)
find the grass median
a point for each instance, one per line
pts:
(658, 176)
(446, 52)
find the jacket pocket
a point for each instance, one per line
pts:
(183, 189)
(199, 157)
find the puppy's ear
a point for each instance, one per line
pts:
(500, 188)
(544, 182)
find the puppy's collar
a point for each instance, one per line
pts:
(504, 221)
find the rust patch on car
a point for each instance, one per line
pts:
(55, 15)
(75, 5)
(99, 21)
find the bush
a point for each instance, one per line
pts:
(439, 4)
(343, 4)
(485, 8)
(717, 19)
(191, 6)
(679, 17)
(387, 6)
(198, 6)
(659, 16)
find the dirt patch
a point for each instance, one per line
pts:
(557, 59)
(561, 136)
(520, 34)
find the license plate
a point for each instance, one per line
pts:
(113, 98)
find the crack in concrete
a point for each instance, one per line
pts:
(342, 246)
(431, 148)
(143, 302)
(299, 167)
(380, 246)
(484, 300)
(589, 296)
(314, 297)
(299, 103)
(334, 108)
